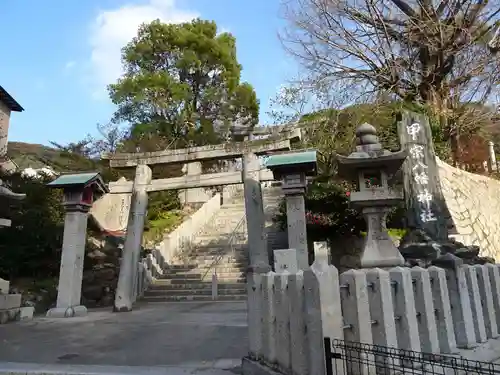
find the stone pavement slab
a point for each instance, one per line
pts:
(194, 336)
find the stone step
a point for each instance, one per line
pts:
(187, 298)
(198, 292)
(219, 268)
(226, 253)
(199, 276)
(213, 241)
(222, 256)
(208, 279)
(159, 285)
(233, 206)
(208, 259)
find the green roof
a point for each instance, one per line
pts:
(291, 158)
(73, 179)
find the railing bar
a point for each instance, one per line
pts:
(230, 242)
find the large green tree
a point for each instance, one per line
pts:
(181, 85)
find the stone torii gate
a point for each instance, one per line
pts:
(251, 176)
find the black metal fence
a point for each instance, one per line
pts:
(353, 358)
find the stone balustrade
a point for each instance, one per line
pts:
(432, 310)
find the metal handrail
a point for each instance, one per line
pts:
(230, 243)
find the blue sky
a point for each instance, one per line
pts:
(58, 56)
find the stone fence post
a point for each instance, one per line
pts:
(461, 310)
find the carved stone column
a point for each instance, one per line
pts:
(294, 188)
(254, 210)
(125, 291)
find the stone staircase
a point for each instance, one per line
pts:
(219, 251)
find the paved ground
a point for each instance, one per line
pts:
(192, 335)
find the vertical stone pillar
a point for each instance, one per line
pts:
(282, 308)
(125, 292)
(254, 211)
(296, 218)
(294, 188)
(493, 158)
(381, 307)
(357, 320)
(446, 334)
(461, 310)
(424, 306)
(405, 312)
(298, 324)
(494, 274)
(475, 303)
(486, 297)
(71, 271)
(268, 339)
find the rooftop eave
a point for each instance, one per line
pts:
(9, 101)
(348, 168)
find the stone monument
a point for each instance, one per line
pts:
(293, 168)
(428, 218)
(79, 193)
(426, 208)
(372, 168)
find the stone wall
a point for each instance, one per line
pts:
(474, 204)
(4, 128)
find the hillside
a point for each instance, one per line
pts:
(29, 155)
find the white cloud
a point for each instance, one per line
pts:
(69, 65)
(112, 29)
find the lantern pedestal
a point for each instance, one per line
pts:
(293, 168)
(79, 190)
(379, 249)
(71, 272)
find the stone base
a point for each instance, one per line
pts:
(67, 312)
(259, 268)
(123, 308)
(10, 301)
(251, 367)
(16, 314)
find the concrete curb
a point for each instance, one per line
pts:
(220, 367)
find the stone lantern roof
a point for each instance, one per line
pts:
(369, 154)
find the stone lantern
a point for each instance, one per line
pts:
(372, 167)
(79, 191)
(293, 168)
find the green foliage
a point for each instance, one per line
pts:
(329, 214)
(182, 85)
(32, 246)
(165, 222)
(164, 215)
